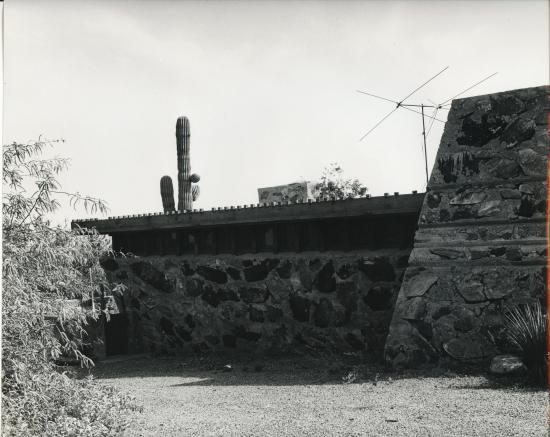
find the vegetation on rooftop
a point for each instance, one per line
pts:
(334, 185)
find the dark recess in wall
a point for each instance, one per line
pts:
(345, 234)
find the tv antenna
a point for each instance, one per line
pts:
(413, 107)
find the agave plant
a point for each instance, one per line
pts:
(525, 328)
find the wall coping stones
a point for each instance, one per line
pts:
(402, 204)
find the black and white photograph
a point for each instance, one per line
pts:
(275, 218)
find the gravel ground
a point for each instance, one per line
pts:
(304, 396)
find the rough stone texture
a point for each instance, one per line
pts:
(480, 246)
(297, 191)
(260, 302)
(507, 365)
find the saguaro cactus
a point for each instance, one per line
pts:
(167, 194)
(183, 140)
(186, 193)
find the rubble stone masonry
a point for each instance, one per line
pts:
(480, 247)
(272, 302)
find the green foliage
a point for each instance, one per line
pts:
(50, 278)
(54, 404)
(333, 185)
(525, 328)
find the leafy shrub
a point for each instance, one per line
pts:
(50, 278)
(525, 328)
(54, 404)
(333, 185)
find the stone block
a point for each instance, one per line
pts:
(234, 273)
(414, 310)
(284, 269)
(379, 297)
(507, 365)
(471, 291)
(294, 192)
(256, 314)
(274, 314)
(355, 341)
(324, 314)
(212, 274)
(325, 281)
(379, 269)
(152, 276)
(254, 294)
(532, 164)
(300, 307)
(258, 272)
(419, 284)
(468, 348)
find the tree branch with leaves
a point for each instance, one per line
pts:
(50, 277)
(335, 186)
(21, 171)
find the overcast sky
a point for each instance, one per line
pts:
(269, 87)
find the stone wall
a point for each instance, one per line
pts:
(297, 191)
(480, 248)
(264, 302)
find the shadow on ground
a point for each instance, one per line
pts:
(238, 370)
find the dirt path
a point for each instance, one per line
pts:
(306, 397)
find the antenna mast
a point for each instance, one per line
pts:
(425, 148)
(409, 107)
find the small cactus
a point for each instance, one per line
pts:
(195, 191)
(167, 194)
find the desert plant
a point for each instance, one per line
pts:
(195, 192)
(525, 329)
(167, 194)
(50, 278)
(334, 185)
(183, 142)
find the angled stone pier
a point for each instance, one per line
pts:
(480, 247)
